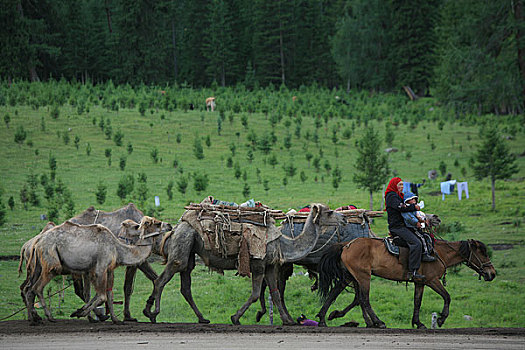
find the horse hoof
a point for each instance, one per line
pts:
(235, 321)
(421, 326)
(92, 320)
(380, 325)
(117, 322)
(203, 321)
(51, 319)
(335, 314)
(102, 318)
(151, 316)
(130, 319)
(322, 324)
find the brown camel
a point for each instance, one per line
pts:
(112, 220)
(92, 250)
(181, 246)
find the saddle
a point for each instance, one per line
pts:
(397, 247)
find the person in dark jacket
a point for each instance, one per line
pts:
(396, 225)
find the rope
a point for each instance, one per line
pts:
(96, 217)
(24, 308)
(336, 231)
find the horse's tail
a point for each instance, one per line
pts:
(331, 272)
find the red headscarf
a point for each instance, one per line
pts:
(392, 186)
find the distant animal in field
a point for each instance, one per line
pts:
(210, 104)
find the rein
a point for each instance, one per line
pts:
(468, 259)
(469, 263)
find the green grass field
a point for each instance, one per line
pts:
(428, 136)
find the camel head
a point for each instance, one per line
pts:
(324, 216)
(149, 226)
(130, 231)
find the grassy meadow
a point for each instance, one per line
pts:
(257, 145)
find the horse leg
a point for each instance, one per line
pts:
(332, 296)
(364, 300)
(158, 287)
(185, 289)
(436, 285)
(418, 297)
(257, 269)
(275, 291)
(342, 313)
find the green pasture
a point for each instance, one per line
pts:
(426, 134)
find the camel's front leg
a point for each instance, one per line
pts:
(257, 270)
(262, 301)
(159, 284)
(440, 289)
(277, 297)
(185, 289)
(109, 298)
(418, 297)
(128, 289)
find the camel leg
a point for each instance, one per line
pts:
(332, 296)
(185, 289)
(158, 287)
(257, 270)
(285, 271)
(262, 302)
(418, 297)
(277, 298)
(128, 289)
(109, 297)
(440, 289)
(100, 284)
(82, 287)
(39, 280)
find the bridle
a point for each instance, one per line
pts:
(477, 265)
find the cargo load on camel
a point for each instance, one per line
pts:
(229, 231)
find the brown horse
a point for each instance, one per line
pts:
(355, 262)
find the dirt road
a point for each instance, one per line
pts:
(68, 334)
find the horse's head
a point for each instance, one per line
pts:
(477, 258)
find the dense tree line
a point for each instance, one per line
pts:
(471, 54)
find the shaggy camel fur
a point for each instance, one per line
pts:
(112, 220)
(83, 249)
(182, 245)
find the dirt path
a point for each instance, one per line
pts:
(67, 334)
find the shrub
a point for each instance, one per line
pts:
(20, 135)
(101, 192)
(200, 182)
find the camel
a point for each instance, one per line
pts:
(92, 250)
(210, 104)
(184, 242)
(328, 236)
(25, 254)
(112, 220)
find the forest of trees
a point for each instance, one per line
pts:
(469, 54)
